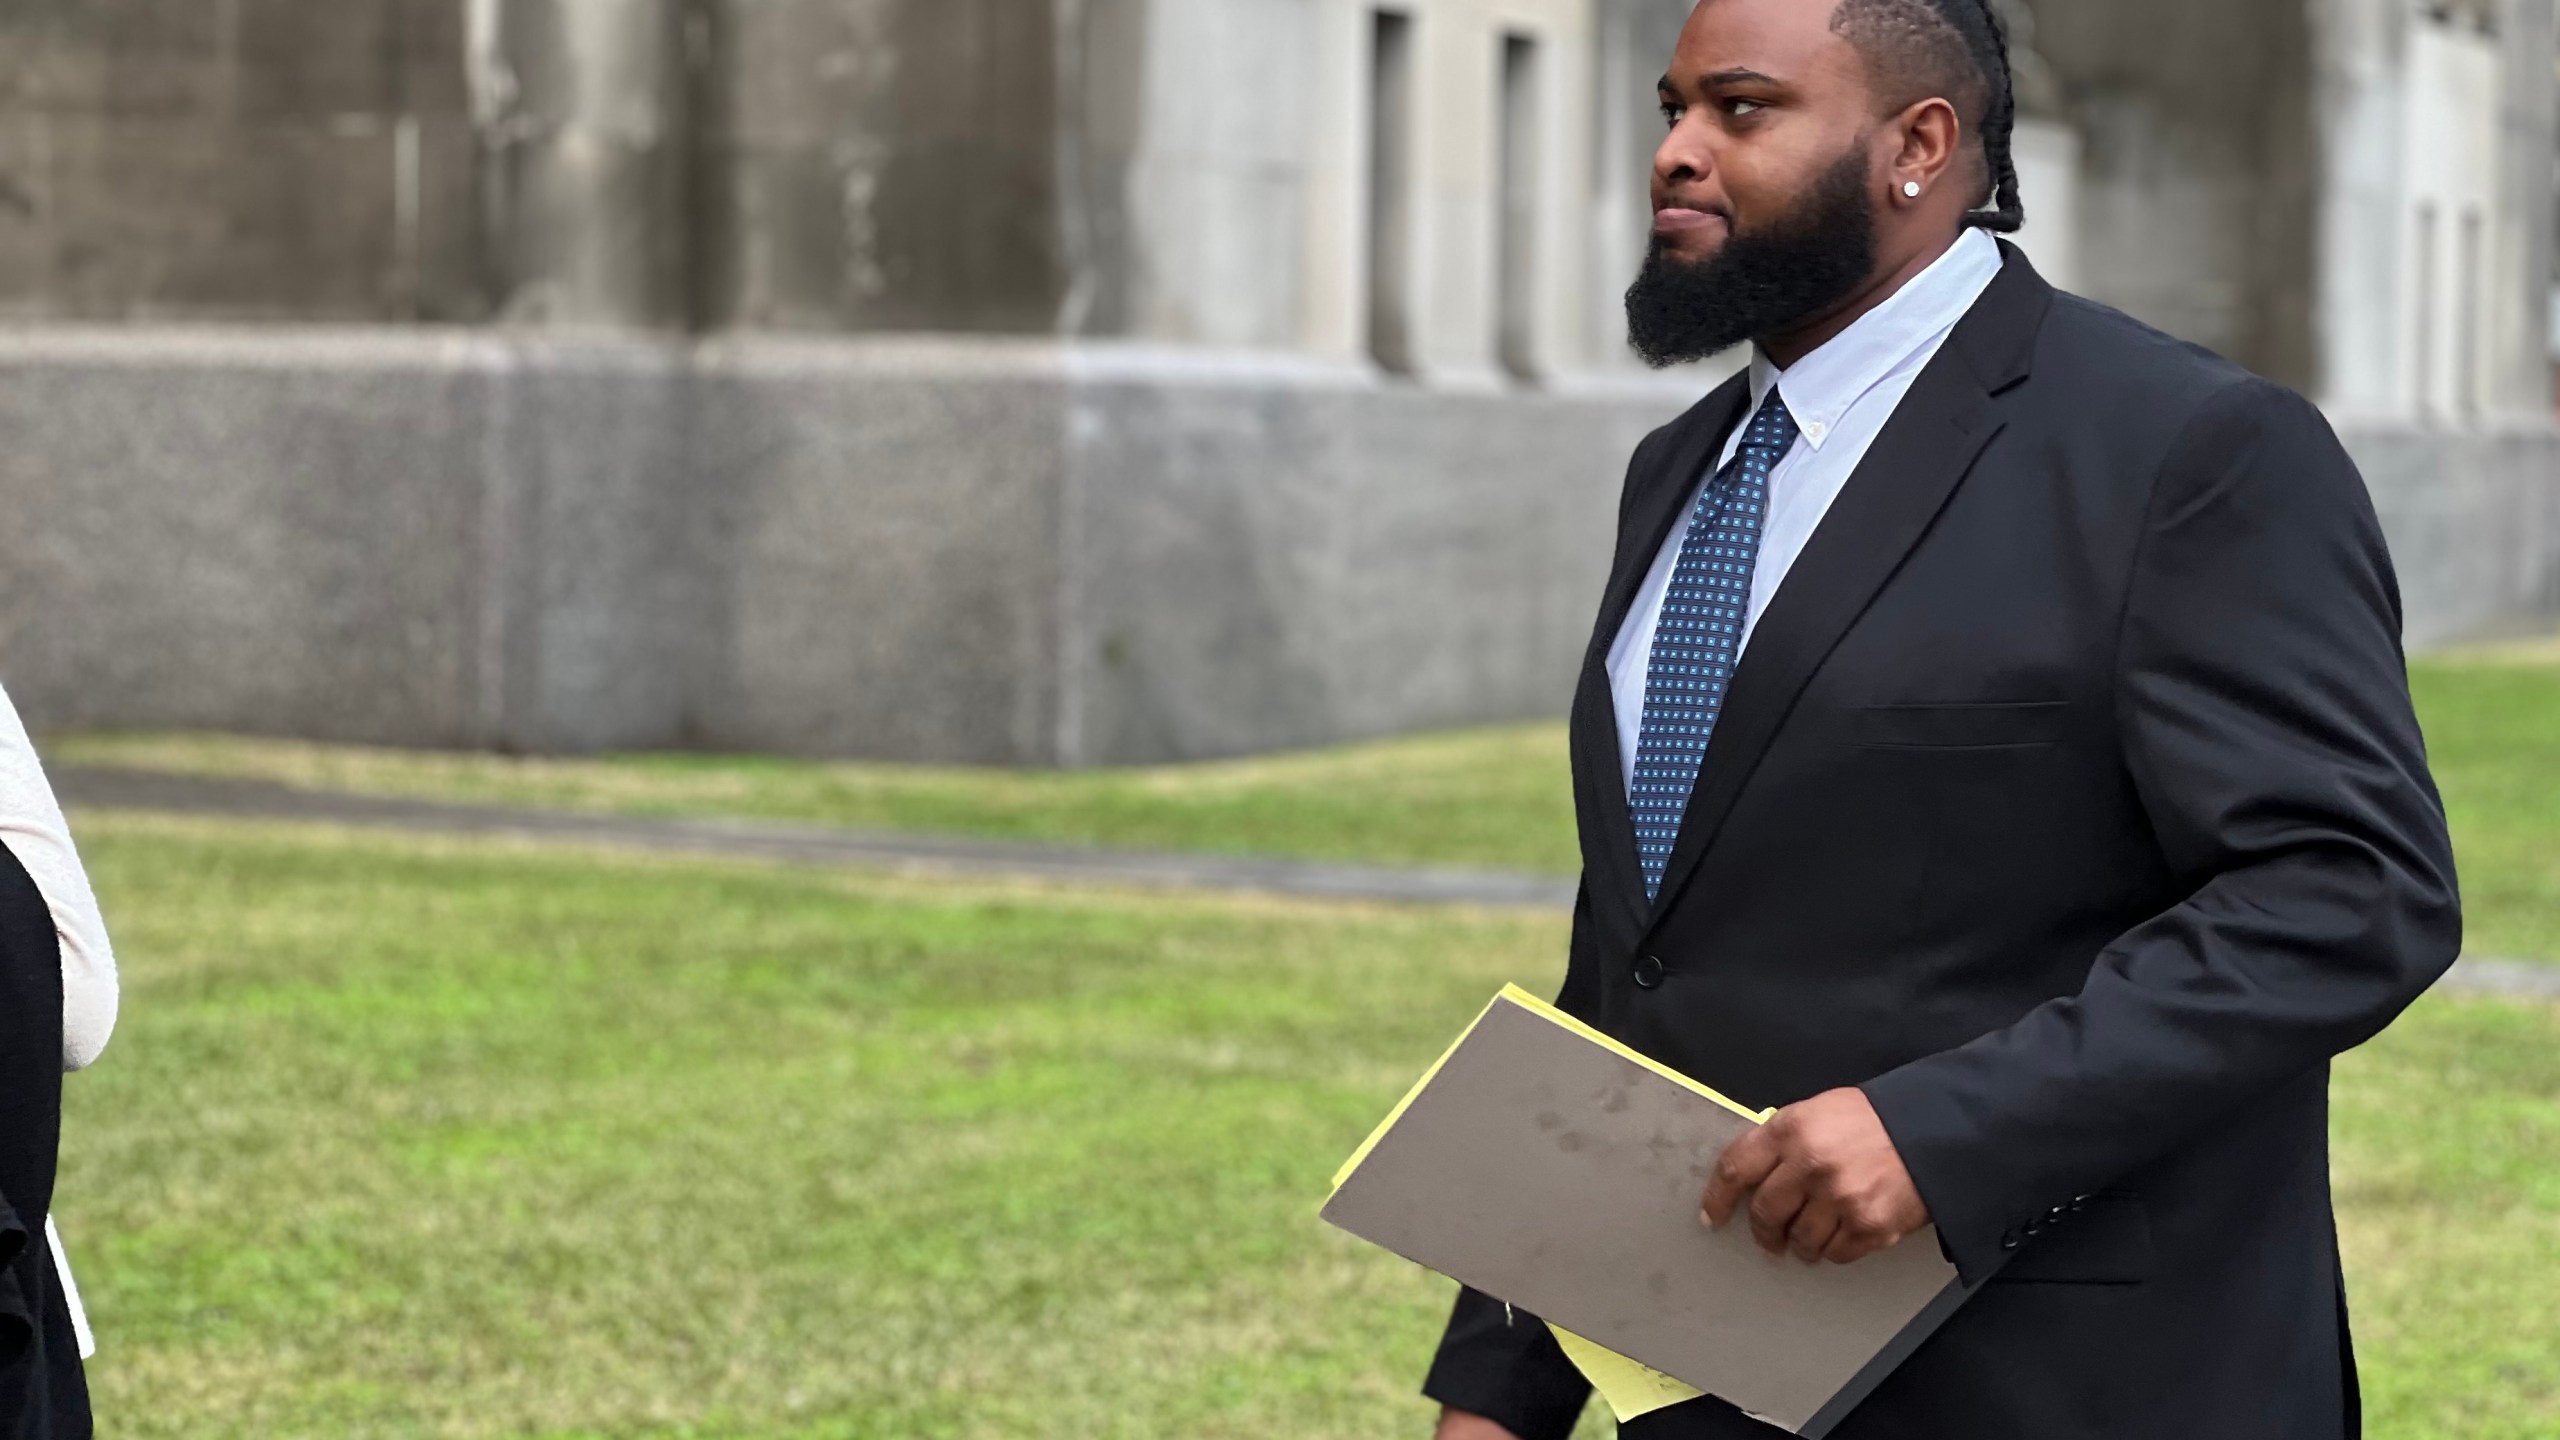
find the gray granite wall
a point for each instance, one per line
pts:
(929, 549)
(2474, 521)
(998, 551)
(885, 553)
(356, 535)
(1266, 560)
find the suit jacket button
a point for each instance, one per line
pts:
(2010, 1241)
(1648, 972)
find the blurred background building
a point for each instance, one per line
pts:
(1062, 381)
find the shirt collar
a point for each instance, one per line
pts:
(1821, 387)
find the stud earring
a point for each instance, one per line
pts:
(1911, 188)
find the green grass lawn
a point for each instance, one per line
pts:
(405, 1138)
(1495, 799)
(408, 1138)
(2493, 734)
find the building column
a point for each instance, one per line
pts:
(2199, 191)
(580, 108)
(2521, 373)
(881, 165)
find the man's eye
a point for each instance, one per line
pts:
(1738, 107)
(1671, 114)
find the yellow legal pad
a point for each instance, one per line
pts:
(1556, 1169)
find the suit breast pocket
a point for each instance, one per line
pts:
(1997, 725)
(1984, 785)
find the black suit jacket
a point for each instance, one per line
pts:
(43, 1392)
(2068, 799)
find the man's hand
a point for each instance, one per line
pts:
(1831, 1185)
(1459, 1425)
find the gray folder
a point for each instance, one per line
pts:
(1559, 1172)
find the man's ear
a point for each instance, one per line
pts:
(1927, 138)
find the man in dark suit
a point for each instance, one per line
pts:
(1995, 749)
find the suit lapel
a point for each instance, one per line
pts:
(1658, 499)
(1923, 453)
(1616, 880)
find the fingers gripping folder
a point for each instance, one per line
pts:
(1557, 1170)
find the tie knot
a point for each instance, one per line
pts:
(1765, 441)
(1774, 428)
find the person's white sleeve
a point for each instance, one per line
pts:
(32, 826)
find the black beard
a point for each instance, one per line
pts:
(1762, 282)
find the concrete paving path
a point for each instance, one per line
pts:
(813, 844)
(108, 789)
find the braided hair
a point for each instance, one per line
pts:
(1958, 50)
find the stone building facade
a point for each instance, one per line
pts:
(1060, 381)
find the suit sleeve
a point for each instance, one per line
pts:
(18, 1319)
(2266, 726)
(1505, 1364)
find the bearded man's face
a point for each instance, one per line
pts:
(1763, 279)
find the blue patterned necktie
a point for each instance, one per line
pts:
(1700, 634)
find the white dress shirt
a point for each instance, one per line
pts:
(31, 825)
(1841, 396)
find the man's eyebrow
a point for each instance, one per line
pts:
(1720, 79)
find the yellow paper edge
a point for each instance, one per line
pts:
(1630, 1387)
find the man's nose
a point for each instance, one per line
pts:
(1683, 157)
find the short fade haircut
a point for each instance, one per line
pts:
(1953, 50)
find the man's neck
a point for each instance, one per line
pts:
(1786, 348)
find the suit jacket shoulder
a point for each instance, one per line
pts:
(2105, 367)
